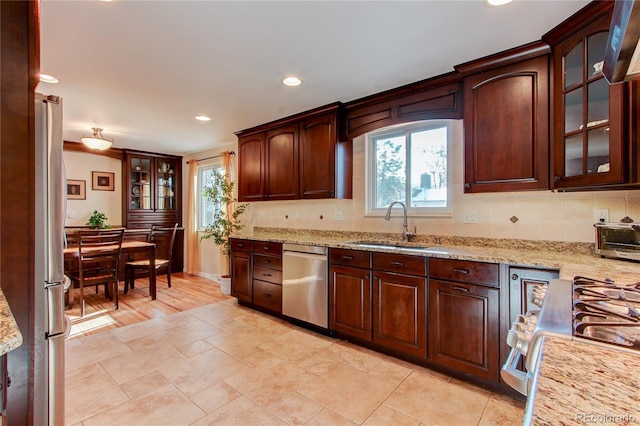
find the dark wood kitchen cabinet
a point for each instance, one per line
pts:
(506, 121)
(350, 293)
(293, 158)
(399, 303)
(464, 316)
(241, 281)
(591, 123)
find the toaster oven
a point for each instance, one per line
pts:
(618, 240)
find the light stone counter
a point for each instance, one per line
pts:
(570, 259)
(583, 383)
(10, 337)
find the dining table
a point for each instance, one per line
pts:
(129, 247)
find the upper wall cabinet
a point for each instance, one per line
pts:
(297, 157)
(591, 122)
(506, 121)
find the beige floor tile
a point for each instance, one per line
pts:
(215, 397)
(327, 417)
(144, 385)
(165, 406)
(255, 356)
(502, 410)
(419, 369)
(179, 337)
(391, 372)
(217, 313)
(241, 412)
(296, 409)
(89, 391)
(360, 358)
(435, 402)
(141, 329)
(131, 365)
(385, 416)
(239, 338)
(192, 375)
(349, 392)
(270, 381)
(194, 348)
(80, 353)
(318, 364)
(260, 320)
(296, 345)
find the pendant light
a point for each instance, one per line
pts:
(97, 141)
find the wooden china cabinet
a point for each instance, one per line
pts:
(151, 195)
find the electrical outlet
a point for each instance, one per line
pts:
(601, 215)
(339, 215)
(470, 216)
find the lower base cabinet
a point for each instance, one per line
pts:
(241, 283)
(399, 312)
(464, 327)
(350, 301)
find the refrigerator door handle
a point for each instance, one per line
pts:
(55, 309)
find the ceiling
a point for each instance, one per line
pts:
(142, 70)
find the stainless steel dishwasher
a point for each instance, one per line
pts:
(305, 292)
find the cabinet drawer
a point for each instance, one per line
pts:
(411, 265)
(465, 271)
(265, 274)
(267, 295)
(240, 245)
(267, 247)
(346, 257)
(264, 261)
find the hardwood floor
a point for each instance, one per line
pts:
(186, 292)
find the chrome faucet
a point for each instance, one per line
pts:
(405, 227)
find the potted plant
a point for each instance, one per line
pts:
(219, 192)
(98, 220)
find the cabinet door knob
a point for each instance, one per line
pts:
(557, 178)
(467, 185)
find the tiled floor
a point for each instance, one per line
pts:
(229, 365)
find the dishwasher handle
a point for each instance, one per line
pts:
(305, 255)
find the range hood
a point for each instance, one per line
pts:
(621, 59)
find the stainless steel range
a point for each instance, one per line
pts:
(600, 312)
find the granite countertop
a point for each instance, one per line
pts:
(584, 383)
(571, 259)
(10, 337)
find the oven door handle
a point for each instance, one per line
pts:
(518, 380)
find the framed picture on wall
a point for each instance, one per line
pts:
(76, 189)
(102, 181)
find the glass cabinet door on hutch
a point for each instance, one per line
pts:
(140, 172)
(588, 132)
(166, 185)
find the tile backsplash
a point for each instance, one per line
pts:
(542, 215)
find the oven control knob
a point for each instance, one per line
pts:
(518, 341)
(528, 319)
(537, 295)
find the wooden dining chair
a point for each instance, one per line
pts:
(163, 238)
(98, 260)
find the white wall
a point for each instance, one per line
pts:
(78, 166)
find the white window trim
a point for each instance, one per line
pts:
(199, 188)
(370, 166)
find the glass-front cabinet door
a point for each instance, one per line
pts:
(141, 178)
(588, 133)
(166, 185)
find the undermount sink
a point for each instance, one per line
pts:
(390, 245)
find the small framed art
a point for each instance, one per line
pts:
(102, 181)
(76, 189)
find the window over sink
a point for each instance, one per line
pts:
(410, 163)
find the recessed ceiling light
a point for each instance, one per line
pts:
(45, 78)
(292, 81)
(202, 118)
(498, 2)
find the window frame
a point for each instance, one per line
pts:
(200, 203)
(370, 168)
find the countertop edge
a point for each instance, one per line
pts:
(10, 336)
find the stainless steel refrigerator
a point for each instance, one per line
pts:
(50, 319)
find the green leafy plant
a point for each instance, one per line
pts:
(98, 220)
(219, 192)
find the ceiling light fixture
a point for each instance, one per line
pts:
(498, 2)
(202, 118)
(292, 81)
(97, 141)
(46, 78)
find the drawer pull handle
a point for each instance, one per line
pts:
(266, 275)
(266, 261)
(455, 287)
(266, 248)
(347, 257)
(266, 296)
(394, 263)
(461, 271)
